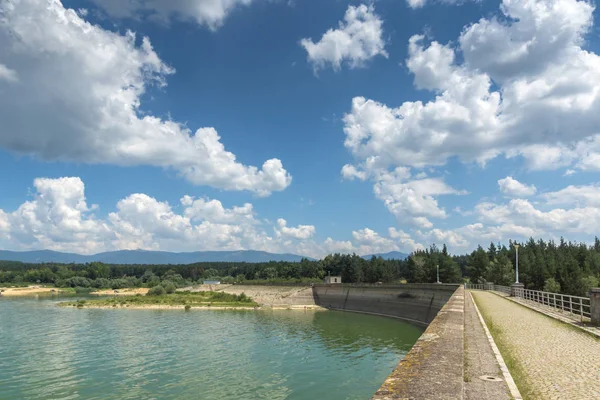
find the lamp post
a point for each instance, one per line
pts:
(438, 273)
(516, 289)
(517, 269)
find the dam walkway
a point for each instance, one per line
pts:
(548, 358)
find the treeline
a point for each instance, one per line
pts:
(566, 267)
(563, 267)
(100, 275)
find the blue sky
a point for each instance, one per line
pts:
(388, 125)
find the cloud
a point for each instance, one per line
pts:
(350, 172)
(58, 217)
(301, 232)
(79, 99)
(421, 3)
(513, 187)
(519, 219)
(370, 242)
(520, 212)
(209, 13)
(515, 85)
(579, 196)
(8, 74)
(356, 40)
(416, 3)
(449, 237)
(542, 106)
(413, 201)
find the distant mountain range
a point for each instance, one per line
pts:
(147, 257)
(392, 255)
(165, 257)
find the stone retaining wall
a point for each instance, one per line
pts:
(413, 302)
(434, 367)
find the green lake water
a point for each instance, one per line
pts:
(47, 352)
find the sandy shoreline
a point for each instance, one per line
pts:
(182, 307)
(121, 292)
(28, 291)
(267, 297)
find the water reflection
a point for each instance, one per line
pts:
(66, 353)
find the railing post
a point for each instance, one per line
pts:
(514, 288)
(595, 305)
(571, 305)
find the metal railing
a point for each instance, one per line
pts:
(479, 286)
(577, 306)
(503, 289)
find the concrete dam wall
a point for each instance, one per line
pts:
(413, 302)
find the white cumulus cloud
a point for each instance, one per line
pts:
(356, 40)
(58, 217)
(210, 13)
(8, 74)
(78, 99)
(421, 3)
(518, 84)
(545, 102)
(580, 196)
(300, 232)
(513, 187)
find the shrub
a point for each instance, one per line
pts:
(169, 287)
(187, 307)
(156, 291)
(243, 298)
(550, 285)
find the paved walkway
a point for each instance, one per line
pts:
(480, 361)
(558, 314)
(555, 361)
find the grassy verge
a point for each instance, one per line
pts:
(466, 365)
(186, 299)
(512, 363)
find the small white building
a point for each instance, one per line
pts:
(333, 279)
(211, 282)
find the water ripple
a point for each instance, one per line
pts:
(48, 352)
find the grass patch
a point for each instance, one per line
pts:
(191, 299)
(466, 377)
(510, 358)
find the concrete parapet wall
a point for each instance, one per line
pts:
(434, 368)
(414, 302)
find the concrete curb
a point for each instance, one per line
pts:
(510, 382)
(434, 368)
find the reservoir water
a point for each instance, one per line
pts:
(47, 352)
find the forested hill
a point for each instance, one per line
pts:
(146, 257)
(392, 255)
(563, 267)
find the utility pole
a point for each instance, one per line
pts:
(517, 269)
(516, 289)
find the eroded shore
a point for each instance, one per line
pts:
(182, 307)
(266, 296)
(207, 297)
(29, 291)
